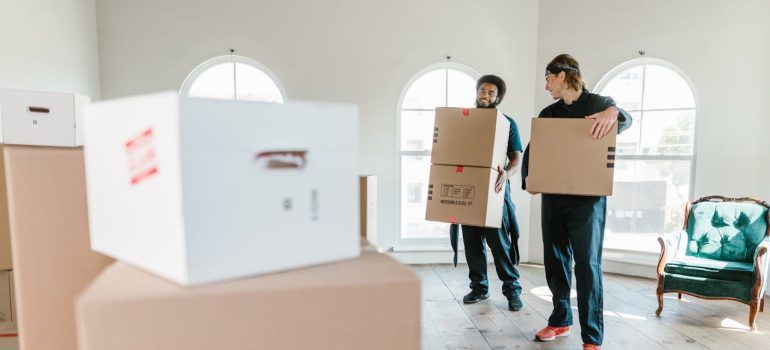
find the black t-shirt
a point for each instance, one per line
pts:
(587, 104)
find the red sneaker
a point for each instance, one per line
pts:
(550, 333)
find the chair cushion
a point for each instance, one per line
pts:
(706, 287)
(728, 231)
(734, 271)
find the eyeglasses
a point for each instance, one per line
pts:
(487, 93)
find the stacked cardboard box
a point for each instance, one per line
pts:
(205, 195)
(53, 261)
(6, 310)
(468, 146)
(6, 261)
(7, 307)
(372, 302)
(565, 159)
(45, 181)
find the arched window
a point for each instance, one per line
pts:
(656, 156)
(439, 85)
(233, 77)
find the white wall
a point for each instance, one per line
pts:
(49, 45)
(722, 46)
(362, 52)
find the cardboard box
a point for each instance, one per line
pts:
(41, 118)
(6, 260)
(49, 229)
(464, 195)
(368, 206)
(204, 190)
(470, 137)
(14, 316)
(372, 302)
(565, 159)
(6, 311)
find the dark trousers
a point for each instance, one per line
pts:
(573, 226)
(476, 255)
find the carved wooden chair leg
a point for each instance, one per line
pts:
(753, 309)
(660, 304)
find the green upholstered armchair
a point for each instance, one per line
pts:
(720, 254)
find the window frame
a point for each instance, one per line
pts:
(402, 243)
(211, 62)
(612, 74)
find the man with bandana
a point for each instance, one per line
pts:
(503, 241)
(574, 225)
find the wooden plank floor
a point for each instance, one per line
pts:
(629, 318)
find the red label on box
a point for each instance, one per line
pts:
(466, 112)
(459, 169)
(140, 153)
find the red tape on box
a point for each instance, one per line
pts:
(141, 157)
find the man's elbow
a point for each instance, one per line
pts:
(514, 161)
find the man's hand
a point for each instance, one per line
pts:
(603, 123)
(502, 177)
(527, 188)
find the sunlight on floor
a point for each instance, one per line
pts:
(544, 293)
(624, 315)
(728, 324)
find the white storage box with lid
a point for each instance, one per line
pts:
(41, 118)
(203, 190)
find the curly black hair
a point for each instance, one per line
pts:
(494, 80)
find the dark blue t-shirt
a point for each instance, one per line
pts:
(514, 141)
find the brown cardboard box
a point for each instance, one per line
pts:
(13, 298)
(6, 261)
(368, 205)
(371, 302)
(6, 313)
(565, 159)
(464, 195)
(52, 258)
(470, 137)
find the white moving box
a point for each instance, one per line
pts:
(41, 118)
(203, 190)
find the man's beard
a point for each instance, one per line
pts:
(491, 105)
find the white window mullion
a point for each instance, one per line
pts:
(235, 80)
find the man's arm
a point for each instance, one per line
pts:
(504, 174)
(608, 115)
(525, 172)
(545, 113)
(603, 122)
(624, 120)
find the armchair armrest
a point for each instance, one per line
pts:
(671, 246)
(761, 262)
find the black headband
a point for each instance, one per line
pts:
(556, 68)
